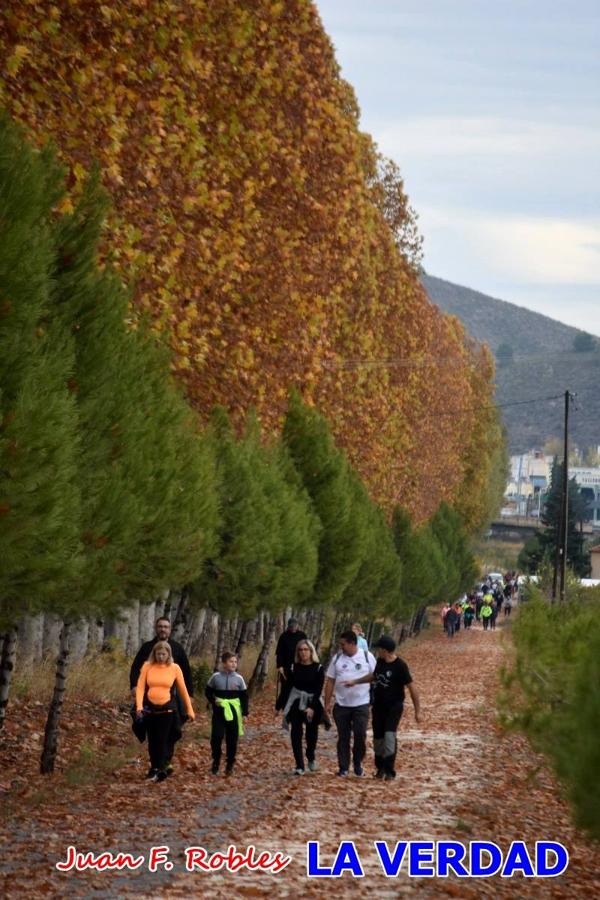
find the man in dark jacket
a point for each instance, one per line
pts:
(162, 628)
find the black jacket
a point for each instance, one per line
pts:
(179, 657)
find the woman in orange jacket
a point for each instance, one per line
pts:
(155, 703)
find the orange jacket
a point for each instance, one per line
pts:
(158, 679)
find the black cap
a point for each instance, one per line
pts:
(386, 642)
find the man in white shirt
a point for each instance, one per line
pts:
(351, 710)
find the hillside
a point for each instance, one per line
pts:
(544, 364)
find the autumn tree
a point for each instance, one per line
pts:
(257, 224)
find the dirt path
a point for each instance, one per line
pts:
(459, 779)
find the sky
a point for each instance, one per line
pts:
(491, 108)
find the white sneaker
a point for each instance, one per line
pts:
(298, 772)
(312, 766)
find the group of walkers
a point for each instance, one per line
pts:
(308, 696)
(484, 604)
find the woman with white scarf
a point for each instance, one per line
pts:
(303, 709)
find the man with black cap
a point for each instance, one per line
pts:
(390, 677)
(285, 653)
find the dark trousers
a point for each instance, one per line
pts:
(223, 729)
(486, 623)
(351, 721)
(159, 728)
(386, 719)
(298, 720)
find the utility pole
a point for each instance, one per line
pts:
(560, 558)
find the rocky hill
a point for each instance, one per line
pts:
(544, 363)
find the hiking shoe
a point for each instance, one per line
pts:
(151, 772)
(360, 772)
(343, 773)
(160, 776)
(312, 766)
(379, 774)
(229, 770)
(298, 771)
(215, 768)
(389, 776)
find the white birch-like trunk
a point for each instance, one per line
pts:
(7, 667)
(51, 636)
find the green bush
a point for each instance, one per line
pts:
(201, 672)
(552, 693)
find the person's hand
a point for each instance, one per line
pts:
(192, 717)
(348, 683)
(139, 714)
(281, 671)
(309, 715)
(418, 718)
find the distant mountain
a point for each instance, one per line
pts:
(544, 363)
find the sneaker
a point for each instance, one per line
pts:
(389, 776)
(312, 766)
(298, 771)
(215, 768)
(160, 776)
(169, 769)
(360, 772)
(229, 770)
(379, 774)
(151, 772)
(343, 773)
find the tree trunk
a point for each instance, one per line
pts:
(370, 628)
(31, 629)
(7, 667)
(79, 640)
(95, 635)
(320, 622)
(132, 618)
(223, 625)
(193, 636)
(261, 669)
(241, 638)
(331, 648)
(55, 709)
(181, 616)
(147, 618)
(51, 635)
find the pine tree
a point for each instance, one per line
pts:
(327, 478)
(146, 480)
(460, 569)
(578, 557)
(39, 496)
(421, 564)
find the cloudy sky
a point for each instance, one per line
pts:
(491, 108)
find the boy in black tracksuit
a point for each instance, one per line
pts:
(226, 691)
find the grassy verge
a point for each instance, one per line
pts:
(551, 692)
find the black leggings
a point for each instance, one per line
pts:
(159, 728)
(221, 728)
(385, 720)
(297, 720)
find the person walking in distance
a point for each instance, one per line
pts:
(162, 632)
(351, 709)
(155, 704)
(390, 678)
(285, 653)
(227, 693)
(303, 709)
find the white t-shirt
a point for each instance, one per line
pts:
(347, 668)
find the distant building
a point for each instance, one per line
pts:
(529, 480)
(595, 560)
(589, 482)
